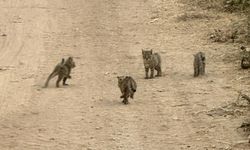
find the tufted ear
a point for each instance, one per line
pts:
(142, 50)
(151, 51)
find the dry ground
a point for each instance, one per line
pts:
(106, 38)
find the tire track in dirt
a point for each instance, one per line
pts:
(16, 48)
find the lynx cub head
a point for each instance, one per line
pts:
(203, 57)
(120, 78)
(70, 62)
(146, 54)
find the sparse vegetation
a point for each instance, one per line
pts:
(238, 31)
(227, 5)
(234, 5)
(235, 33)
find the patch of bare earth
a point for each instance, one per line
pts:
(105, 37)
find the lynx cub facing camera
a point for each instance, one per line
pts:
(151, 61)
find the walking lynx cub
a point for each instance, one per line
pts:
(62, 70)
(151, 61)
(199, 64)
(127, 86)
(245, 58)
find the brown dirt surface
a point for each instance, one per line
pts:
(105, 37)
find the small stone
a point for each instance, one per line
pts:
(154, 20)
(210, 81)
(164, 126)
(98, 128)
(175, 118)
(161, 90)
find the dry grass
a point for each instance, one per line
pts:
(235, 33)
(205, 4)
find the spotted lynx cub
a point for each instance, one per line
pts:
(62, 70)
(127, 86)
(199, 64)
(151, 61)
(245, 58)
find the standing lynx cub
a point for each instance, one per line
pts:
(199, 64)
(245, 58)
(62, 70)
(127, 86)
(151, 61)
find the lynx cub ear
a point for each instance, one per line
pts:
(243, 48)
(63, 60)
(151, 51)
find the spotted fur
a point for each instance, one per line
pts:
(199, 64)
(151, 61)
(127, 86)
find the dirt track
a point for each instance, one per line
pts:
(106, 38)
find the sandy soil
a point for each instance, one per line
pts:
(105, 38)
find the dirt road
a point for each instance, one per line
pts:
(105, 38)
